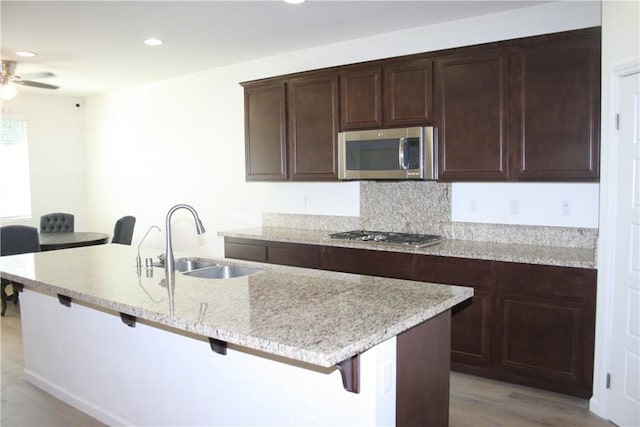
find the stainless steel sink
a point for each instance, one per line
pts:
(222, 272)
(184, 265)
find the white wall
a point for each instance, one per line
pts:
(565, 205)
(56, 155)
(182, 140)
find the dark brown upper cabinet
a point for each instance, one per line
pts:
(472, 104)
(518, 110)
(407, 93)
(265, 131)
(313, 127)
(396, 94)
(361, 99)
(555, 90)
(528, 111)
(291, 128)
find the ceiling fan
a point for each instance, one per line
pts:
(8, 78)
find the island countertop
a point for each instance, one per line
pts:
(492, 251)
(313, 316)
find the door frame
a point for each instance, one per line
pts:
(606, 242)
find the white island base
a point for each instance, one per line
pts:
(150, 375)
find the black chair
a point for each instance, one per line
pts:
(123, 231)
(16, 239)
(57, 222)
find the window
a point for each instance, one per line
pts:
(15, 187)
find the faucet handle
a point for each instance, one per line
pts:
(138, 258)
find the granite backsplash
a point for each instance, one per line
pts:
(425, 207)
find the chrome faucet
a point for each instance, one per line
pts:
(169, 263)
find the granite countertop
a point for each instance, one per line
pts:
(313, 316)
(510, 252)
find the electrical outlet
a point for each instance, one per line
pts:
(565, 208)
(473, 206)
(387, 377)
(307, 200)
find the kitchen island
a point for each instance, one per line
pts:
(285, 346)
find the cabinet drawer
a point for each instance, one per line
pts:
(453, 271)
(246, 251)
(546, 281)
(373, 263)
(294, 255)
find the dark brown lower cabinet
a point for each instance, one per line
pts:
(545, 326)
(528, 324)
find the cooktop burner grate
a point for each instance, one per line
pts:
(390, 238)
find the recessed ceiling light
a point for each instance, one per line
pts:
(294, 1)
(26, 53)
(153, 42)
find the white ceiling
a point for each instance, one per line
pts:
(96, 46)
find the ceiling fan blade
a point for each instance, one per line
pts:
(36, 76)
(36, 84)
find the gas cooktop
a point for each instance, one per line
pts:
(389, 238)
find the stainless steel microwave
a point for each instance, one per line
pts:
(401, 154)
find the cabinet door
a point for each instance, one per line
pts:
(556, 108)
(472, 116)
(313, 127)
(546, 326)
(361, 99)
(471, 331)
(408, 93)
(471, 321)
(265, 131)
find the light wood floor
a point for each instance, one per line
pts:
(475, 402)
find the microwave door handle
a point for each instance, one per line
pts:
(401, 145)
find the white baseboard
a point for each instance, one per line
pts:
(71, 399)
